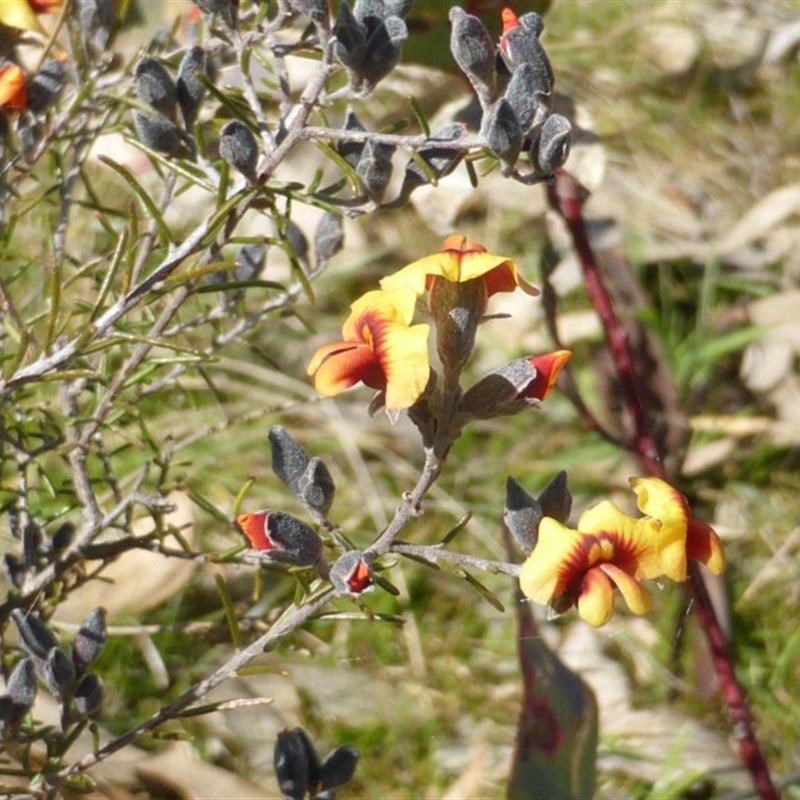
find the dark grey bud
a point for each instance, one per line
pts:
(524, 95)
(45, 86)
(329, 237)
(351, 40)
(521, 45)
(58, 673)
(522, 515)
(317, 10)
(502, 131)
(289, 459)
(21, 684)
(474, 51)
(369, 13)
(159, 134)
(397, 8)
(440, 160)
(13, 569)
(63, 536)
(351, 574)
(339, 767)
(295, 239)
(556, 498)
(90, 640)
(384, 47)
(88, 696)
(155, 87)
(317, 489)
(31, 543)
(282, 538)
(296, 763)
(190, 88)
(96, 18)
(34, 636)
(239, 148)
(351, 151)
(375, 169)
(550, 149)
(532, 22)
(250, 263)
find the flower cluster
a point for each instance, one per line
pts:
(612, 550)
(382, 349)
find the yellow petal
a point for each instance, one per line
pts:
(634, 595)
(668, 515)
(18, 14)
(403, 354)
(560, 556)
(596, 600)
(396, 305)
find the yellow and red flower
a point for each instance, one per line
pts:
(21, 14)
(460, 261)
(612, 550)
(13, 93)
(380, 349)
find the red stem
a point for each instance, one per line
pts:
(563, 197)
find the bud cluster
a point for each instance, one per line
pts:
(514, 84)
(65, 674)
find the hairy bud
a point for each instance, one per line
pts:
(281, 537)
(383, 51)
(550, 149)
(375, 169)
(90, 640)
(238, 147)
(250, 262)
(154, 87)
(501, 130)
(556, 498)
(329, 237)
(58, 673)
(529, 102)
(317, 489)
(190, 89)
(351, 151)
(522, 515)
(351, 41)
(338, 767)
(35, 637)
(46, 85)
(289, 459)
(296, 763)
(351, 574)
(440, 160)
(474, 52)
(88, 695)
(21, 684)
(159, 134)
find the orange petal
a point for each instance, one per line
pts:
(510, 20)
(12, 86)
(547, 368)
(703, 544)
(339, 366)
(254, 527)
(596, 600)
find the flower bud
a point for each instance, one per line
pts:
(296, 239)
(34, 636)
(154, 87)
(90, 640)
(190, 89)
(556, 498)
(58, 673)
(21, 684)
(238, 147)
(63, 536)
(526, 97)
(88, 696)
(13, 569)
(351, 41)
(317, 489)
(474, 52)
(351, 151)
(441, 160)
(159, 134)
(281, 538)
(502, 132)
(46, 85)
(515, 386)
(329, 237)
(550, 149)
(351, 574)
(369, 13)
(289, 459)
(339, 767)
(520, 44)
(250, 262)
(296, 763)
(522, 515)
(96, 19)
(383, 50)
(375, 169)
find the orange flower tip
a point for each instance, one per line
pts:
(459, 244)
(12, 88)
(254, 527)
(548, 368)
(510, 20)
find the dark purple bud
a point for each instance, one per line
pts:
(289, 459)
(317, 489)
(556, 498)
(88, 695)
(550, 149)
(45, 86)
(522, 515)
(63, 536)
(154, 87)
(281, 538)
(339, 767)
(329, 237)
(238, 147)
(190, 89)
(529, 104)
(351, 151)
(58, 673)
(441, 161)
(351, 574)
(351, 40)
(502, 132)
(397, 8)
(250, 263)
(90, 640)
(384, 47)
(296, 763)
(375, 169)
(474, 51)
(34, 636)
(21, 685)
(159, 134)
